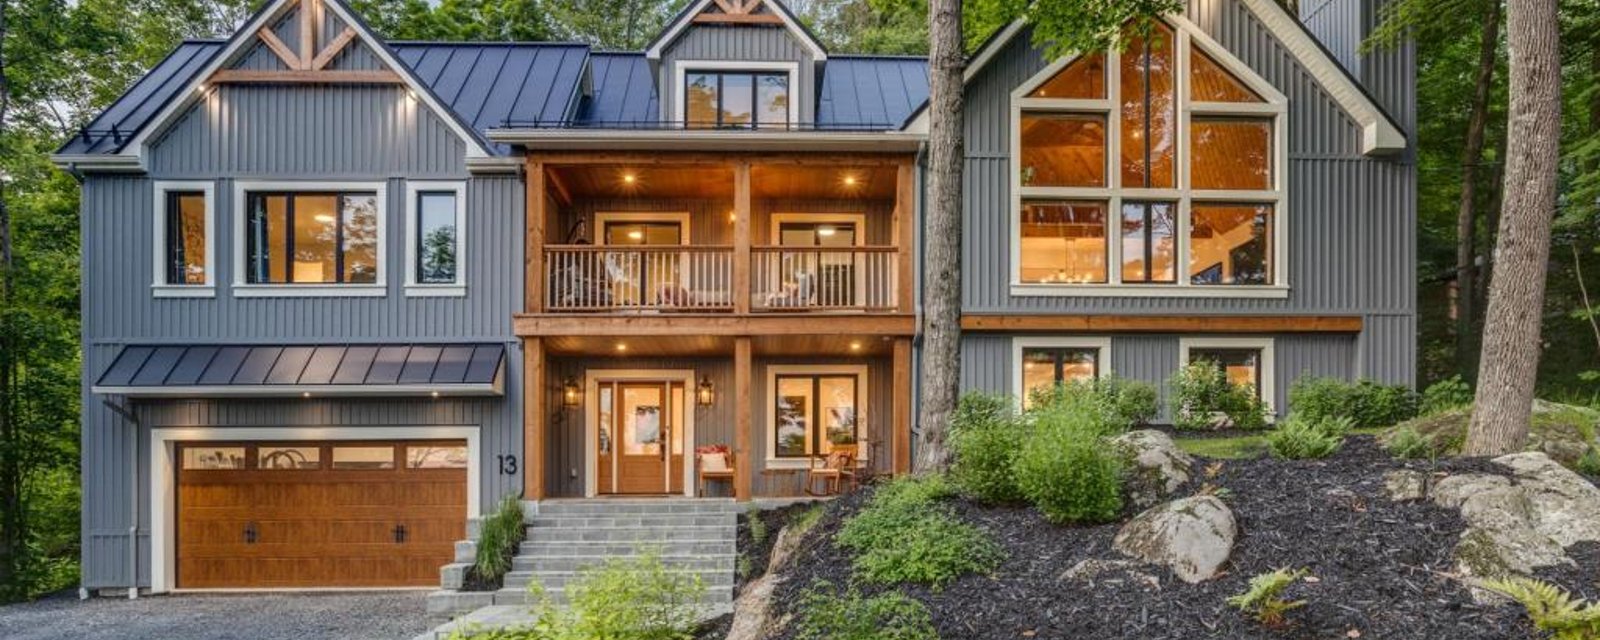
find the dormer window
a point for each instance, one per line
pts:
(737, 98)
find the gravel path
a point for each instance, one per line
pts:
(363, 616)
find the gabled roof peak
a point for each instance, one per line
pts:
(736, 13)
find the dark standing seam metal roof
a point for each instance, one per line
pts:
(141, 102)
(871, 90)
(310, 368)
(624, 91)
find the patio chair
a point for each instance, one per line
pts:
(833, 471)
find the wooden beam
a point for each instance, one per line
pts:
(640, 158)
(333, 49)
(560, 186)
(738, 18)
(820, 324)
(277, 46)
(742, 423)
(241, 76)
(1161, 324)
(726, 7)
(308, 32)
(901, 426)
(533, 419)
(905, 221)
(533, 263)
(741, 238)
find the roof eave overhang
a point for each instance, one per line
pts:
(677, 140)
(98, 162)
(305, 391)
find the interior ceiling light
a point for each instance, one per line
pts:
(826, 231)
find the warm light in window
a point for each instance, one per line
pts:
(635, 235)
(826, 231)
(323, 218)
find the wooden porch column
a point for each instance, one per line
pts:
(901, 427)
(533, 283)
(533, 419)
(905, 220)
(741, 419)
(741, 237)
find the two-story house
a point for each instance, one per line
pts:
(342, 294)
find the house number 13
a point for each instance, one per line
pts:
(508, 465)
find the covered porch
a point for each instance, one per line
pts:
(623, 415)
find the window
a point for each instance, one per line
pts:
(435, 238)
(1245, 361)
(369, 457)
(183, 239)
(1043, 363)
(816, 410)
(269, 457)
(440, 456)
(211, 457)
(312, 238)
(736, 99)
(1192, 167)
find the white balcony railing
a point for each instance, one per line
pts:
(669, 278)
(824, 278)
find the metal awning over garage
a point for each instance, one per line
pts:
(345, 370)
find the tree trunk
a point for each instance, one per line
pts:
(941, 321)
(1510, 361)
(1467, 214)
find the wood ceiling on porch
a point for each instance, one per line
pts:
(767, 181)
(835, 346)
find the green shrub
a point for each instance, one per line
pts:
(1444, 395)
(499, 534)
(636, 598)
(1078, 398)
(758, 526)
(1589, 464)
(1133, 401)
(1374, 405)
(1407, 443)
(1303, 438)
(906, 534)
(826, 614)
(984, 438)
(1068, 472)
(1264, 600)
(1202, 398)
(1320, 396)
(1551, 608)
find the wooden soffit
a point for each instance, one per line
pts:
(1160, 324)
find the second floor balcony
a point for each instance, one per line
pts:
(736, 235)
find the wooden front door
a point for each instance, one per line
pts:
(641, 437)
(319, 514)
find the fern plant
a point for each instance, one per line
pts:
(1550, 607)
(1264, 600)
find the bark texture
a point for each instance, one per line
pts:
(1510, 360)
(1467, 213)
(941, 320)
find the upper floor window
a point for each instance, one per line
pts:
(1157, 170)
(183, 239)
(312, 238)
(736, 99)
(435, 238)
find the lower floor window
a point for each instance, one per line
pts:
(1045, 368)
(1241, 366)
(815, 414)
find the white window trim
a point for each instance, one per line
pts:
(163, 479)
(1268, 388)
(681, 69)
(159, 287)
(1102, 357)
(414, 289)
(1276, 108)
(241, 289)
(680, 218)
(863, 424)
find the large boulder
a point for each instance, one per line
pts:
(1501, 538)
(1563, 505)
(1454, 490)
(1564, 432)
(1159, 466)
(1192, 536)
(1405, 485)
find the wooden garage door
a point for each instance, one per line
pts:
(324, 514)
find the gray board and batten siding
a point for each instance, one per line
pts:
(288, 133)
(1351, 218)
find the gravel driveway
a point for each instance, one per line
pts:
(363, 616)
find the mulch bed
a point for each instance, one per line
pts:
(1380, 565)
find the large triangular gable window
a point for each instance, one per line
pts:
(1155, 170)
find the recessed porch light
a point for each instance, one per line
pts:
(622, 346)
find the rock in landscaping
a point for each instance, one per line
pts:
(1405, 485)
(1501, 538)
(1454, 490)
(1160, 467)
(1562, 431)
(1094, 571)
(1564, 506)
(1193, 537)
(752, 612)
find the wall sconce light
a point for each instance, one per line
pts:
(571, 393)
(705, 394)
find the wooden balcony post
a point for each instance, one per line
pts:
(742, 407)
(905, 220)
(741, 237)
(901, 427)
(533, 283)
(533, 419)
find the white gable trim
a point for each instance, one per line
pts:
(1379, 134)
(671, 33)
(199, 88)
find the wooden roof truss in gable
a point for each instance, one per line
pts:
(307, 63)
(739, 12)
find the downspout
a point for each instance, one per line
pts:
(133, 500)
(921, 243)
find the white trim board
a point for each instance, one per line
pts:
(159, 287)
(1380, 134)
(671, 32)
(681, 69)
(591, 421)
(199, 86)
(1099, 343)
(240, 210)
(414, 189)
(164, 477)
(768, 417)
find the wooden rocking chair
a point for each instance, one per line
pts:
(833, 471)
